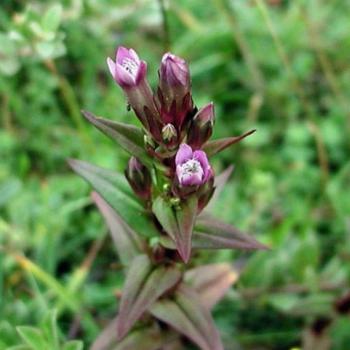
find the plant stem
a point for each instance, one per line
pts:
(253, 68)
(309, 114)
(165, 24)
(69, 99)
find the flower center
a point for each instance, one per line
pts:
(191, 167)
(130, 66)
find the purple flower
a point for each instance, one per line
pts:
(127, 70)
(174, 70)
(130, 73)
(174, 91)
(192, 168)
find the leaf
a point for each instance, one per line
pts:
(178, 222)
(49, 327)
(219, 184)
(144, 284)
(149, 338)
(187, 315)
(109, 185)
(73, 345)
(32, 337)
(52, 18)
(216, 146)
(212, 281)
(129, 137)
(128, 244)
(211, 233)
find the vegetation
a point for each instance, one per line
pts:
(278, 66)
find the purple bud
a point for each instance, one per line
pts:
(139, 178)
(202, 126)
(130, 73)
(192, 168)
(174, 91)
(174, 70)
(127, 70)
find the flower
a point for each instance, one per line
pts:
(202, 126)
(174, 91)
(130, 73)
(192, 168)
(127, 70)
(174, 70)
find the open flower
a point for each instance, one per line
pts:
(192, 168)
(127, 70)
(130, 73)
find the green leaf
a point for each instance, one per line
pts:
(128, 244)
(211, 233)
(189, 316)
(129, 137)
(33, 337)
(177, 222)
(52, 18)
(213, 147)
(110, 186)
(73, 345)
(144, 284)
(50, 329)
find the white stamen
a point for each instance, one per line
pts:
(130, 66)
(190, 168)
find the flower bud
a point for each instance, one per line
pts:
(169, 133)
(139, 178)
(174, 92)
(192, 168)
(129, 72)
(201, 127)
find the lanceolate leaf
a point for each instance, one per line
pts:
(143, 286)
(211, 233)
(109, 185)
(146, 338)
(216, 146)
(187, 315)
(219, 184)
(212, 281)
(178, 222)
(128, 244)
(129, 137)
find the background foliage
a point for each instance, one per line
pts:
(279, 66)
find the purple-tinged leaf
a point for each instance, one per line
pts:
(216, 146)
(143, 286)
(114, 191)
(219, 184)
(211, 233)
(178, 222)
(128, 244)
(187, 315)
(129, 137)
(146, 338)
(212, 281)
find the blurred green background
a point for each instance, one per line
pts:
(279, 66)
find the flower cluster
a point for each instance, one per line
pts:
(157, 227)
